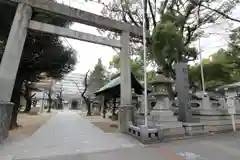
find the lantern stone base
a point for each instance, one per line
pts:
(165, 119)
(194, 129)
(162, 119)
(140, 120)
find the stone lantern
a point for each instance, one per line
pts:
(160, 91)
(161, 112)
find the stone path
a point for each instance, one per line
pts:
(218, 147)
(67, 133)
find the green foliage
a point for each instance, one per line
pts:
(213, 72)
(223, 67)
(137, 65)
(42, 52)
(173, 35)
(97, 78)
(167, 43)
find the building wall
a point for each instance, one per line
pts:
(69, 87)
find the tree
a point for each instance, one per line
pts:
(42, 53)
(50, 99)
(96, 79)
(85, 97)
(215, 74)
(136, 65)
(84, 93)
(28, 96)
(223, 67)
(60, 97)
(176, 30)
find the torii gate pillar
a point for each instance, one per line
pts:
(13, 51)
(10, 63)
(126, 88)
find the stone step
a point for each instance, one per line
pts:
(214, 118)
(159, 119)
(165, 118)
(161, 112)
(173, 132)
(169, 125)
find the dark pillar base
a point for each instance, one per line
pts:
(6, 109)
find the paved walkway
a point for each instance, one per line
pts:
(67, 133)
(218, 147)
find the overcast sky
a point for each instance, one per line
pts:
(88, 53)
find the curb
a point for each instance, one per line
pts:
(169, 139)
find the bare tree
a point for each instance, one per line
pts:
(60, 97)
(84, 96)
(49, 95)
(28, 96)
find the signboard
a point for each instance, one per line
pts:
(230, 102)
(182, 88)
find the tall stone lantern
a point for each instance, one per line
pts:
(161, 112)
(160, 91)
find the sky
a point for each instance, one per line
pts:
(215, 37)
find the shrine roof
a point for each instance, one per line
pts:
(113, 87)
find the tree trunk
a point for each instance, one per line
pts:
(16, 100)
(114, 107)
(170, 92)
(28, 105)
(100, 105)
(50, 105)
(28, 99)
(114, 115)
(89, 111)
(104, 108)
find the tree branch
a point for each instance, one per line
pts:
(123, 14)
(163, 7)
(152, 14)
(85, 84)
(217, 11)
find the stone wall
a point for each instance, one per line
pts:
(5, 118)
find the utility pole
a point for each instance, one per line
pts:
(145, 63)
(200, 55)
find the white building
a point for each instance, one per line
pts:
(72, 86)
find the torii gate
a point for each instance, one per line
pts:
(22, 23)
